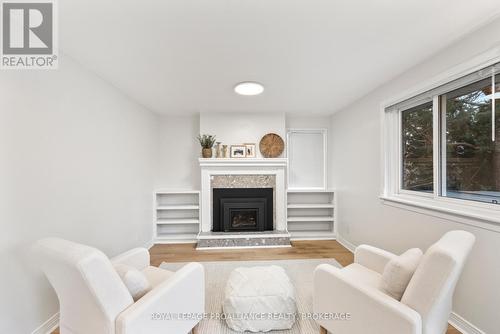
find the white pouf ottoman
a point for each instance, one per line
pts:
(259, 299)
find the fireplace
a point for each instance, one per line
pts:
(242, 209)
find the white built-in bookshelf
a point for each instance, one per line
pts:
(177, 215)
(311, 214)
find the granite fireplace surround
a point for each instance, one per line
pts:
(245, 181)
(243, 173)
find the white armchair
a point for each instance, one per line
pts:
(426, 303)
(93, 298)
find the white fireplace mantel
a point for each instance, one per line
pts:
(243, 166)
(239, 162)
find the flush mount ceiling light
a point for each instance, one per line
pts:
(249, 88)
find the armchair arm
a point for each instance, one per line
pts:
(372, 257)
(370, 310)
(137, 258)
(180, 295)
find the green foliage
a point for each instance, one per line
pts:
(468, 120)
(206, 141)
(470, 150)
(417, 148)
(472, 161)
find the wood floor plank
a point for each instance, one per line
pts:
(300, 250)
(317, 249)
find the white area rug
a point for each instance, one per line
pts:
(217, 273)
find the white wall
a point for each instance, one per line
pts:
(357, 178)
(77, 161)
(239, 128)
(179, 149)
(179, 152)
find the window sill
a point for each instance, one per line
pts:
(444, 208)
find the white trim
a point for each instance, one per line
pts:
(436, 208)
(442, 149)
(463, 325)
(149, 244)
(415, 193)
(436, 132)
(243, 162)
(311, 206)
(483, 60)
(391, 154)
(335, 214)
(169, 236)
(322, 131)
(167, 241)
(455, 320)
(309, 190)
(398, 159)
(163, 191)
(319, 236)
(177, 207)
(347, 244)
(493, 106)
(295, 219)
(48, 326)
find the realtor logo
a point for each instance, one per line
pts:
(28, 35)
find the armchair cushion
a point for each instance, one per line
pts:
(137, 258)
(362, 275)
(372, 257)
(183, 293)
(338, 291)
(398, 273)
(156, 275)
(135, 281)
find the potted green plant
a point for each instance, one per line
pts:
(206, 142)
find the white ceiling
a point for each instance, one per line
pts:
(185, 56)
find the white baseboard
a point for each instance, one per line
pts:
(463, 325)
(48, 326)
(347, 244)
(456, 321)
(149, 244)
(163, 241)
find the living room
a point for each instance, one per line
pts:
(253, 166)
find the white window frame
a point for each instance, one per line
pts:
(467, 211)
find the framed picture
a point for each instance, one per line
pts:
(250, 150)
(238, 151)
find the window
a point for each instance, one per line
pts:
(444, 145)
(472, 158)
(416, 142)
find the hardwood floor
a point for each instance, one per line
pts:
(300, 250)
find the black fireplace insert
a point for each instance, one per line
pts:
(242, 209)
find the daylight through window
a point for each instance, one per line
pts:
(450, 141)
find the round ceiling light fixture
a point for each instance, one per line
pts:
(249, 88)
